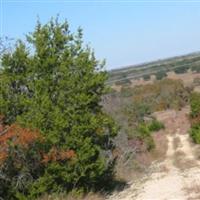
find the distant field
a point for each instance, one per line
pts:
(158, 68)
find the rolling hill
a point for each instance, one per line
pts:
(159, 68)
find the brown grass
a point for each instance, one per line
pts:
(193, 192)
(197, 152)
(159, 153)
(181, 162)
(90, 196)
(176, 143)
(132, 169)
(135, 168)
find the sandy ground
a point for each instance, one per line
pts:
(178, 176)
(197, 89)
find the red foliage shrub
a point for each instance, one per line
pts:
(58, 155)
(24, 137)
(195, 120)
(17, 135)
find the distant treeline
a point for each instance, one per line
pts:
(159, 69)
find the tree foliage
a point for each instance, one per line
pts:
(195, 104)
(54, 85)
(195, 117)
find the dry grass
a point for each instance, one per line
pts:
(138, 166)
(159, 153)
(181, 162)
(176, 143)
(131, 170)
(197, 152)
(90, 196)
(193, 192)
(197, 89)
(164, 169)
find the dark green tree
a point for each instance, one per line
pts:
(54, 83)
(195, 117)
(195, 104)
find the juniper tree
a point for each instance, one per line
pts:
(53, 83)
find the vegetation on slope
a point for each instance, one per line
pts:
(133, 108)
(158, 68)
(195, 117)
(150, 98)
(54, 135)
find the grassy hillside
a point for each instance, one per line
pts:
(159, 68)
(133, 108)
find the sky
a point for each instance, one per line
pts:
(121, 32)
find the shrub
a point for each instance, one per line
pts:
(160, 75)
(143, 129)
(141, 133)
(195, 104)
(181, 70)
(145, 135)
(146, 77)
(196, 68)
(137, 111)
(20, 160)
(126, 92)
(149, 143)
(155, 125)
(195, 133)
(161, 95)
(195, 116)
(56, 89)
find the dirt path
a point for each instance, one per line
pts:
(178, 176)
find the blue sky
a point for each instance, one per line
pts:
(122, 32)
